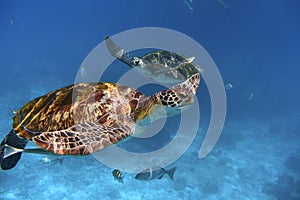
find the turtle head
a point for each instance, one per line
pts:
(179, 97)
(168, 102)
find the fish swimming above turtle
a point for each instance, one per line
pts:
(86, 117)
(160, 65)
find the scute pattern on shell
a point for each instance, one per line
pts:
(103, 103)
(162, 60)
(82, 139)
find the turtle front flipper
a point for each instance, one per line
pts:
(82, 139)
(8, 158)
(117, 52)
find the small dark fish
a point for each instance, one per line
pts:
(117, 175)
(155, 173)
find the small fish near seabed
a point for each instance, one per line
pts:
(47, 160)
(155, 173)
(117, 175)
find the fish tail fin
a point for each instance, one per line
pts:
(171, 172)
(11, 149)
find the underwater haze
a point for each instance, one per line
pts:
(254, 44)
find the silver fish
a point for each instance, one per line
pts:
(155, 173)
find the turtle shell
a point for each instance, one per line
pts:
(164, 57)
(167, 59)
(103, 104)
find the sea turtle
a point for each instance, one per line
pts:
(161, 66)
(86, 117)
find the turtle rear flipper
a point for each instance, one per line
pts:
(8, 158)
(117, 52)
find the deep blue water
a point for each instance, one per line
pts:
(256, 47)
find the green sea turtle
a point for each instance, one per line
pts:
(86, 117)
(161, 66)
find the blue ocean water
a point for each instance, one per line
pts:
(256, 47)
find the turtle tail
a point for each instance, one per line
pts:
(11, 149)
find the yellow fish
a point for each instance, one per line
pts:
(117, 175)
